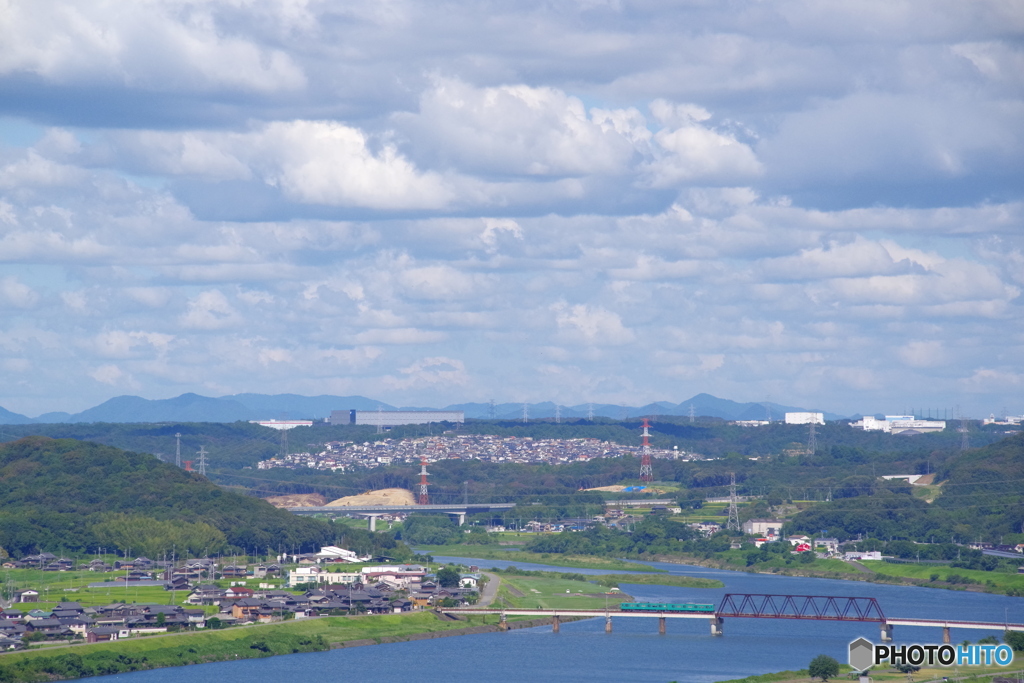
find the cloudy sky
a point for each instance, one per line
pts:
(601, 200)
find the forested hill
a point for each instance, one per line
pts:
(987, 483)
(981, 498)
(61, 494)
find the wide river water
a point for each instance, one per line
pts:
(582, 651)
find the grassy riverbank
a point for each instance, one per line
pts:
(496, 552)
(949, 578)
(244, 642)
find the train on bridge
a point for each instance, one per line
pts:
(667, 607)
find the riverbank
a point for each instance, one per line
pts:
(243, 642)
(890, 574)
(485, 552)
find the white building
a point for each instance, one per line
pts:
(918, 426)
(392, 418)
(282, 424)
(333, 553)
(318, 575)
(763, 527)
(805, 418)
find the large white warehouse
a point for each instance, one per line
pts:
(392, 418)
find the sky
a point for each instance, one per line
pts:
(814, 203)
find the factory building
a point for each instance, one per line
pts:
(393, 418)
(805, 418)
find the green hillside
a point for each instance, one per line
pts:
(66, 495)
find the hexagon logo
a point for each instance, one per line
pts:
(862, 654)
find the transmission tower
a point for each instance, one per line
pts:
(558, 413)
(646, 471)
(526, 412)
(734, 515)
(380, 419)
(177, 450)
(491, 412)
(812, 439)
(423, 498)
(202, 460)
(692, 414)
(965, 440)
(284, 444)
(590, 412)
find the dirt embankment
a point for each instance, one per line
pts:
(297, 500)
(378, 497)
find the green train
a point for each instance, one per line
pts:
(666, 607)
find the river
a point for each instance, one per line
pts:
(582, 651)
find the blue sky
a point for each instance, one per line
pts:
(608, 201)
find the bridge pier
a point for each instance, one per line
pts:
(661, 625)
(556, 624)
(503, 624)
(373, 522)
(886, 636)
(608, 623)
(716, 626)
(945, 635)
(460, 515)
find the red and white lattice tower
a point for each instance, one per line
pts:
(646, 472)
(423, 499)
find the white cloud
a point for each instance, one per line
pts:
(17, 294)
(594, 325)
(520, 129)
(210, 310)
(153, 46)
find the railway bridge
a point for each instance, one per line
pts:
(755, 606)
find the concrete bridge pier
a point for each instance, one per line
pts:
(460, 515)
(503, 624)
(886, 636)
(661, 625)
(556, 624)
(716, 626)
(373, 521)
(945, 635)
(608, 623)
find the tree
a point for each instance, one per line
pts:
(1015, 639)
(448, 577)
(823, 667)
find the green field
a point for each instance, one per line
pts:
(924, 572)
(544, 592)
(496, 552)
(613, 580)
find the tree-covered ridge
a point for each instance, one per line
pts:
(981, 498)
(65, 495)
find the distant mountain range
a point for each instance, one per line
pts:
(195, 408)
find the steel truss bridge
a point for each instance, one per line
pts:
(756, 606)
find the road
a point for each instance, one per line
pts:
(490, 590)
